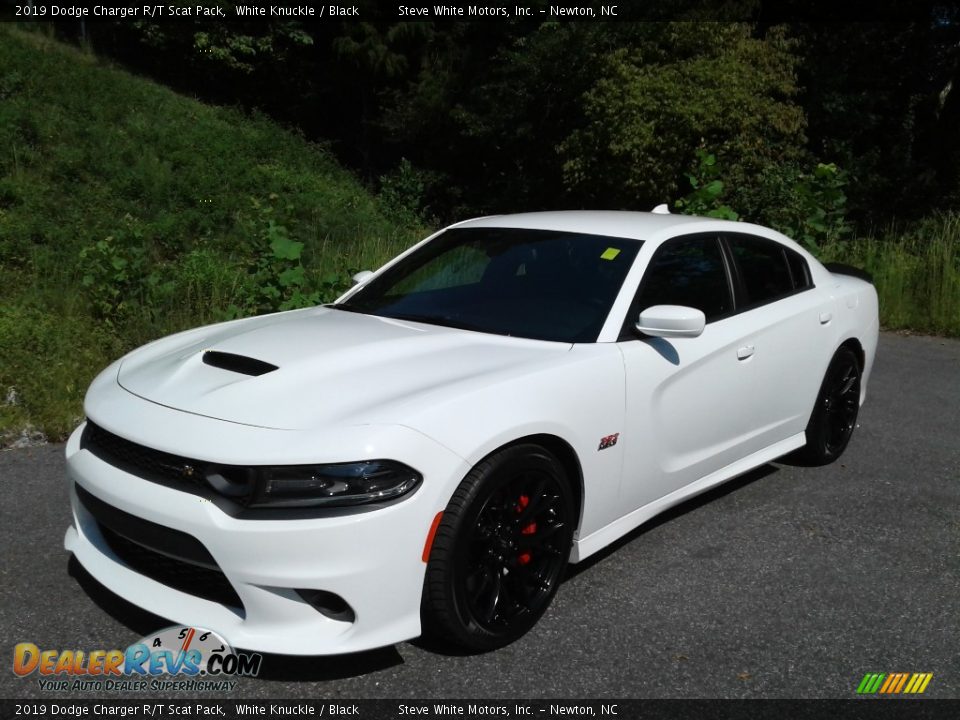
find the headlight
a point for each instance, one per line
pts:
(332, 485)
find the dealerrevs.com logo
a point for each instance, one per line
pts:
(202, 659)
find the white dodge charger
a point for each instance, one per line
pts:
(430, 451)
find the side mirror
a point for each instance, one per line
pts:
(362, 276)
(671, 321)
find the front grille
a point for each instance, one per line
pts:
(151, 535)
(170, 557)
(192, 579)
(155, 465)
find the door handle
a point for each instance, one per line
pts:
(825, 317)
(745, 352)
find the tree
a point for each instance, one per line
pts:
(882, 102)
(689, 85)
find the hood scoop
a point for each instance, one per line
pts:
(237, 363)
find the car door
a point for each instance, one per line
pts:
(689, 401)
(775, 298)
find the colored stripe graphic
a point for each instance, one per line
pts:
(918, 683)
(903, 679)
(891, 681)
(894, 683)
(870, 683)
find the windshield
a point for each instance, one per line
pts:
(539, 284)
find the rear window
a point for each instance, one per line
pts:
(767, 270)
(798, 270)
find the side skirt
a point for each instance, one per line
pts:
(587, 546)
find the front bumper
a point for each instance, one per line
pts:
(371, 558)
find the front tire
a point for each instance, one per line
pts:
(500, 550)
(835, 413)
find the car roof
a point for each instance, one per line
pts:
(615, 223)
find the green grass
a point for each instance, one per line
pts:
(916, 271)
(48, 360)
(179, 191)
(87, 146)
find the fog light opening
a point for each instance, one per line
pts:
(328, 604)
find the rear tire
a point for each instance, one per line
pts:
(500, 550)
(834, 416)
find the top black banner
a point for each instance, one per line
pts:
(762, 11)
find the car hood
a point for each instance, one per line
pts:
(332, 366)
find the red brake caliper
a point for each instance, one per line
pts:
(529, 529)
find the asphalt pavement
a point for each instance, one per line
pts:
(790, 582)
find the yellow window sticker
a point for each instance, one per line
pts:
(610, 253)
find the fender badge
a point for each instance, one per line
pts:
(608, 441)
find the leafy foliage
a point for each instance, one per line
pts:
(127, 208)
(119, 275)
(810, 207)
(276, 277)
(707, 190)
(402, 193)
(126, 214)
(48, 395)
(883, 100)
(690, 85)
(817, 214)
(506, 116)
(243, 48)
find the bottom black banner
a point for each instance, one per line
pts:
(867, 709)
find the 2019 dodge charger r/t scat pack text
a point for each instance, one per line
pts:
(430, 451)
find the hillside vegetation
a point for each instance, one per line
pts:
(128, 212)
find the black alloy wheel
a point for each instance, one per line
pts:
(500, 550)
(835, 414)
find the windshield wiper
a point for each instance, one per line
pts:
(345, 306)
(414, 317)
(439, 320)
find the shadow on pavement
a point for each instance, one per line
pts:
(671, 514)
(438, 646)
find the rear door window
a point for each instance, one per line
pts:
(765, 270)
